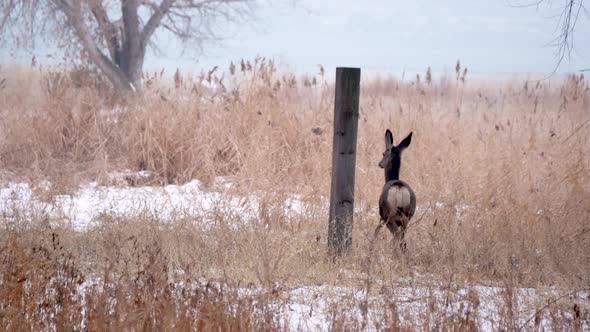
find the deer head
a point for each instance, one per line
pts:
(392, 155)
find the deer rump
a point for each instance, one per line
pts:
(397, 204)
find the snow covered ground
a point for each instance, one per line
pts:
(91, 201)
(419, 306)
(308, 308)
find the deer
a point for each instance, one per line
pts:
(397, 202)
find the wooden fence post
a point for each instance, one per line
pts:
(346, 113)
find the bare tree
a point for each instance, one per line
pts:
(567, 20)
(114, 35)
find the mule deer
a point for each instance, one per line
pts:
(397, 203)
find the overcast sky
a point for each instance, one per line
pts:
(389, 36)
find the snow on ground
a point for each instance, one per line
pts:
(311, 308)
(422, 304)
(302, 308)
(172, 202)
(167, 203)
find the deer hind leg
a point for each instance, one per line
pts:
(402, 232)
(400, 239)
(381, 223)
(398, 232)
(392, 226)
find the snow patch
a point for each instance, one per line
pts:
(172, 202)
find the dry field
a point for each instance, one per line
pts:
(500, 241)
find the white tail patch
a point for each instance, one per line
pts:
(398, 197)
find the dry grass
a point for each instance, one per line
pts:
(500, 170)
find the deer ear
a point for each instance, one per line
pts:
(406, 142)
(388, 139)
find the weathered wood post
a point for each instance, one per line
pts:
(346, 113)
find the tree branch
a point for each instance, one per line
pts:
(192, 21)
(154, 21)
(107, 29)
(567, 24)
(7, 10)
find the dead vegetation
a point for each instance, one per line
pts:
(500, 170)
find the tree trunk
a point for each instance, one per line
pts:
(131, 65)
(133, 52)
(113, 72)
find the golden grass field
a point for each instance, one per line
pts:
(500, 169)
